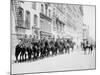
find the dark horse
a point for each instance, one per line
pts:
(17, 51)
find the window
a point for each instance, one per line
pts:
(42, 8)
(27, 21)
(49, 13)
(35, 20)
(69, 8)
(46, 7)
(54, 11)
(34, 5)
(77, 16)
(81, 10)
(19, 15)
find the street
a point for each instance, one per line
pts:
(74, 61)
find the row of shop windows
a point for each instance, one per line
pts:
(36, 36)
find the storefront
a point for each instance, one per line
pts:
(35, 32)
(45, 26)
(45, 35)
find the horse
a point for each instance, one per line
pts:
(66, 47)
(17, 51)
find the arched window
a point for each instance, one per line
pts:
(34, 5)
(27, 19)
(54, 11)
(46, 7)
(42, 8)
(35, 20)
(49, 13)
(19, 15)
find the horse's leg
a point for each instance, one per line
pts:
(68, 50)
(16, 57)
(62, 50)
(33, 53)
(20, 57)
(29, 56)
(55, 50)
(46, 51)
(72, 49)
(89, 50)
(36, 55)
(84, 51)
(50, 52)
(42, 53)
(39, 53)
(25, 56)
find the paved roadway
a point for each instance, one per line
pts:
(76, 60)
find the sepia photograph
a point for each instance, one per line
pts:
(52, 37)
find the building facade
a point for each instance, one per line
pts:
(45, 20)
(24, 21)
(30, 20)
(75, 22)
(68, 21)
(59, 20)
